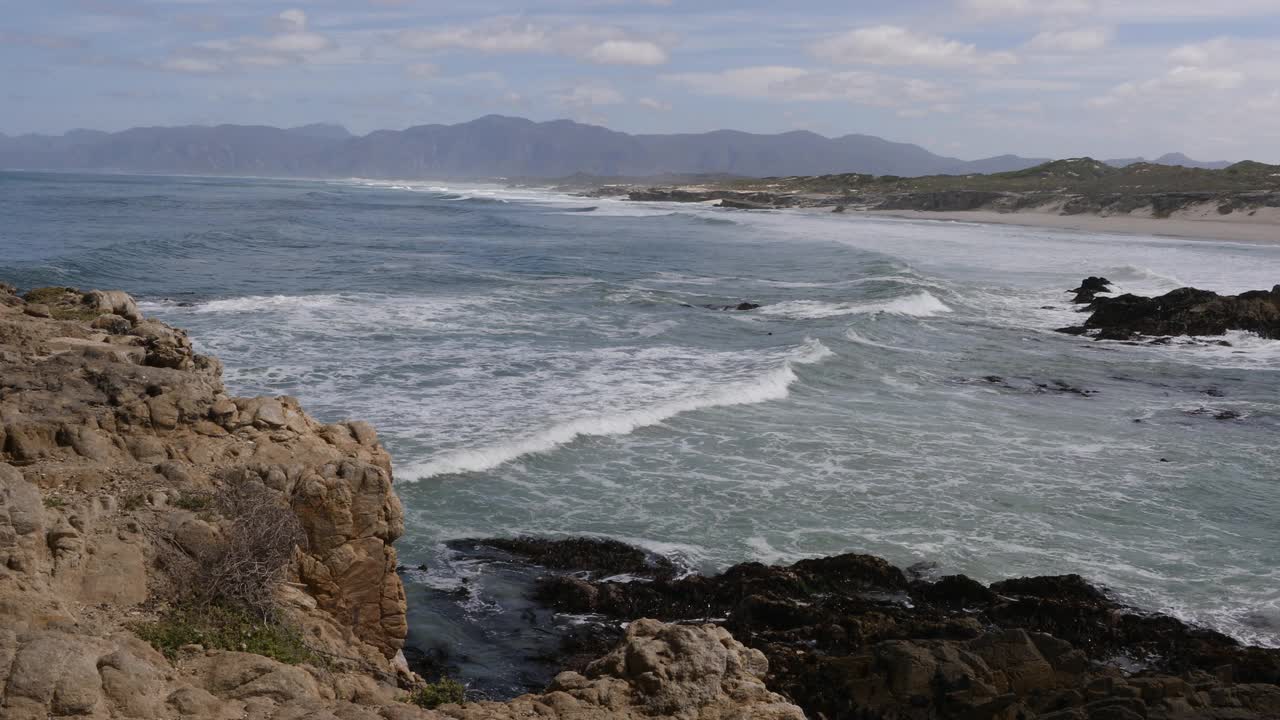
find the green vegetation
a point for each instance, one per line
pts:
(433, 695)
(193, 502)
(1077, 175)
(64, 303)
(220, 628)
(53, 501)
(134, 501)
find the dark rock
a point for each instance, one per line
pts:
(1093, 284)
(957, 591)
(1188, 311)
(1089, 288)
(1073, 330)
(838, 209)
(850, 637)
(742, 306)
(598, 555)
(1115, 333)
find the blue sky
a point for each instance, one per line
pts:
(970, 78)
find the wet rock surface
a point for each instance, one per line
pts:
(1185, 311)
(852, 636)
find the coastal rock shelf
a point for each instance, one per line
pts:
(124, 465)
(1185, 311)
(853, 636)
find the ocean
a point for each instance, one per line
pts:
(548, 364)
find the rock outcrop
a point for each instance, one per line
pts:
(659, 671)
(117, 440)
(1089, 289)
(853, 636)
(1185, 311)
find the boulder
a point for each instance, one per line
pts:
(1188, 311)
(1090, 288)
(113, 302)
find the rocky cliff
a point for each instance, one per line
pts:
(251, 545)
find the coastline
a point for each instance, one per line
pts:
(121, 446)
(1263, 229)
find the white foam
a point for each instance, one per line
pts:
(263, 303)
(854, 337)
(921, 304)
(774, 385)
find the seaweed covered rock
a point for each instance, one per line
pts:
(852, 636)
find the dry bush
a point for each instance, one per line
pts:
(243, 569)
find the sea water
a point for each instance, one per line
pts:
(556, 365)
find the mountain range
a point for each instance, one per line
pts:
(493, 146)
(1172, 159)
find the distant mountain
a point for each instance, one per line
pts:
(325, 131)
(1171, 159)
(491, 146)
(998, 164)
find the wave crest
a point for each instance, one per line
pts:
(774, 385)
(921, 304)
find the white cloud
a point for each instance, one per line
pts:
(893, 45)
(793, 84)
(654, 104)
(1185, 80)
(292, 42)
(422, 70)
(589, 95)
(627, 52)
(190, 65)
(512, 38)
(1073, 40)
(1005, 8)
(603, 45)
(293, 20)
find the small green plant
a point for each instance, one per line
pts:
(433, 695)
(194, 503)
(134, 502)
(221, 628)
(64, 303)
(53, 501)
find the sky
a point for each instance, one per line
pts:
(968, 78)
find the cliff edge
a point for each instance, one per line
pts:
(170, 551)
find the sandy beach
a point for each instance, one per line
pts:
(1261, 227)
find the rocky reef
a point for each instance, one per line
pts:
(853, 636)
(1185, 311)
(170, 551)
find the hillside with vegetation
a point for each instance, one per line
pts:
(1069, 187)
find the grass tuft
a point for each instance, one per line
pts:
(220, 628)
(433, 695)
(194, 503)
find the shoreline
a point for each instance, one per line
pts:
(1259, 232)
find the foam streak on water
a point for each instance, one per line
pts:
(543, 363)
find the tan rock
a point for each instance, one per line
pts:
(242, 676)
(115, 302)
(114, 573)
